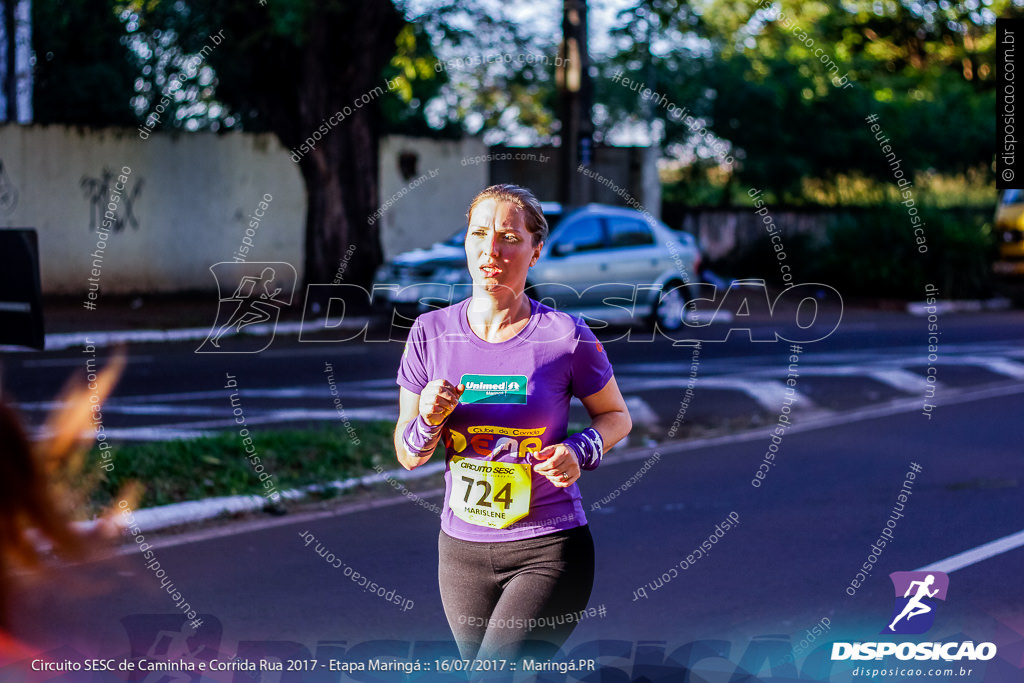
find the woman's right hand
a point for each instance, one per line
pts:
(438, 399)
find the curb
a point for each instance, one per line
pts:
(187, 512)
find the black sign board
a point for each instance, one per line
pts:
(21, 299)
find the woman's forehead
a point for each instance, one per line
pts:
(493, 212)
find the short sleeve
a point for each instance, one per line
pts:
(412, 371)
(591, 369)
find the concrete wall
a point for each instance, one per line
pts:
(185, 206)
(430, 210)
(723, 230)
(182, 202)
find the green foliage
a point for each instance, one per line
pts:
(176, 471)
(756, 259)
(877, 254)
(767, 77)
(83, 73)
(414, 70)
(498, 73)
(874, 255)
(872, 252)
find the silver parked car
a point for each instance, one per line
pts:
(606, 263)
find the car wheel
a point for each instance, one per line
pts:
(669, 307)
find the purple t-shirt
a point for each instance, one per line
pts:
(516, 402)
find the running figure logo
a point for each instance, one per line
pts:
(915, 593)
(257, 299)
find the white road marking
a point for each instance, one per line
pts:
(770, 395)
(903, 380)
(1001, 366)
(639, 411)
(326, 352)
(976, 555)
(612, 459)
(191, 430)
(74, 362)
(896, 377)
(353, 389)
(817, 420)
(99, 339)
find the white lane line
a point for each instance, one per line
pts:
(812, 422)
(1001, 366)
(896, 377)
(325, 352)
(189, 430)
(75, 362)
(903, 380)
(348, 388)
(65, 340)
(639, 411)
(976, 555)
(707, 368)
(113, 407)
(770, 395)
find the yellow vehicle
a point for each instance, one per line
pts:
(1009, 266)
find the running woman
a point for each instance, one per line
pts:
(488, 382)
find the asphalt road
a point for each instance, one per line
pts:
(801, 538)
(802, 535)
(169, 391)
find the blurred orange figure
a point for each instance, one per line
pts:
(40, 489)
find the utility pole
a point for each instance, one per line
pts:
(572, 76)
(10, 73)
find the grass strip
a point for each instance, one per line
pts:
(206, 467)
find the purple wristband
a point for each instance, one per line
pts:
(588, 447)
(419, 437)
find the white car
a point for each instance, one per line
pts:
(606, 263)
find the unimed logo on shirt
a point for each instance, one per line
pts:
(493, 389)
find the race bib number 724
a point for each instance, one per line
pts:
(488, 493)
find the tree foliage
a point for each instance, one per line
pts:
(84, 73)
(782, 87)
(770, 82)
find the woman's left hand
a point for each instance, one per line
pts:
(559, 465)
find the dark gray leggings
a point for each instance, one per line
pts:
(516, 598)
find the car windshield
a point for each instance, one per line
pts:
(1013, 197)
(553, 219)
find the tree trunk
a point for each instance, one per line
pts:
(340, 172)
